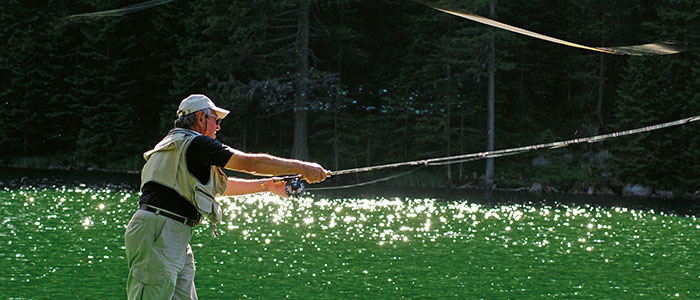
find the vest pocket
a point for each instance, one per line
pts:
(207, 205)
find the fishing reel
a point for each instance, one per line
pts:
(294, 186)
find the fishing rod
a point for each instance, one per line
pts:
(511, 151)
(295, 185)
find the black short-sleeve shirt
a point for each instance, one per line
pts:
(202, 153)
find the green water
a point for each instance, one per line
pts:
(66, 243)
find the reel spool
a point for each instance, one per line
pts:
(294, 186)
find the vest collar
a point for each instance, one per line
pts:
(183, 131)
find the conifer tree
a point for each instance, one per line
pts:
(657, 89)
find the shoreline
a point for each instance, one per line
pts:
(70, 168)
(534, 188)
(21, 178)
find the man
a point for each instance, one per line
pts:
(179, 183)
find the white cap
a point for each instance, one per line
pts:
(196, 102)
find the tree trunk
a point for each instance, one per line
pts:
(405, 128)
(245, 134)
(447, 127)
(336, 136)
(488, 178)
(461, 141)
(601, 81)
(368, 159)
(300, 149)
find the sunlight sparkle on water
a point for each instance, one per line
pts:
(371, 245)
(388, 221)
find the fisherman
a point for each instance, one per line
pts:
(179, 184)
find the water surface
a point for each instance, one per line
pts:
(59, 242)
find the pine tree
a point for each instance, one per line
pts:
(658, 89)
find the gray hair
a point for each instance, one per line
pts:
(189, 121)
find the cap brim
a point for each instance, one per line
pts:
(220, 112)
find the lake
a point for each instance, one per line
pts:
(65, 241)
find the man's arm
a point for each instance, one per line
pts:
(238, 186)
(268, 165)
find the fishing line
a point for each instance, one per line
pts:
(498, 153)
(120, 11)
(660, 48)
(296, 185)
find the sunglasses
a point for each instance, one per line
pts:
(218, 120)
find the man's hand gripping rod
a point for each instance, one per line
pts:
(294, 185)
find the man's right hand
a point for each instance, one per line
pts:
(268, 165)
(313, 172)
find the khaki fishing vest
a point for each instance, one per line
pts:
(166, 164)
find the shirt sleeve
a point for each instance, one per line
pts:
(205, 151)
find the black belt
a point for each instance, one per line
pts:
(161, 212)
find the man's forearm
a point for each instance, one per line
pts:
(263, 164)
(238, 186)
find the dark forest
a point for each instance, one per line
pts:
(375, 81)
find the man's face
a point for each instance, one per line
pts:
(209, 125)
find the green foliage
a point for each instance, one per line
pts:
(661, 89)
(388, 82)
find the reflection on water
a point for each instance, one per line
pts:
(386, 221)
(59, 242)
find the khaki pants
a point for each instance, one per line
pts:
(161, 263)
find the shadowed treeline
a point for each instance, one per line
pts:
(385, 81)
